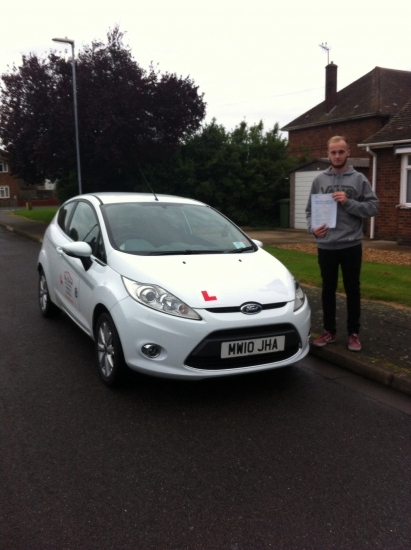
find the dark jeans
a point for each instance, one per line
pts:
(350, 261)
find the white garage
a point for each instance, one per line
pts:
(300, 187)
(303, 181)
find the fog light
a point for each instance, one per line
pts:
(151, 350)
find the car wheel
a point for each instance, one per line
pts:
(47, 308)
(110, 358)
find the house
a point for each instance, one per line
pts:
(9, 185)
(14, 191)
(391, 176)
(358, 111)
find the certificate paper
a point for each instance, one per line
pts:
(323, 210)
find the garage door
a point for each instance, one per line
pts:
(303, 181)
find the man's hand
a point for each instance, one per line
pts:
(321, 231)
(340, 196)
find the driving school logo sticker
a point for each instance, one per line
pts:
(68, 285)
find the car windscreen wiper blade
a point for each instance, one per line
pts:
(240, 250)
(183, 252)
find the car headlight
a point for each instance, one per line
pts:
(158, 298)
(299, 296)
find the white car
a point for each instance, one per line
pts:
(170, 287)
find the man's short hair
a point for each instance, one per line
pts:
(334, 139)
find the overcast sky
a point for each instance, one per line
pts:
(253, 60)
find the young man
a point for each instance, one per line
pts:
(342, 246)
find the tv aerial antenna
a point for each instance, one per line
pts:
(324, 46)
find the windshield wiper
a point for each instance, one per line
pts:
(240, 250)
(183, 252)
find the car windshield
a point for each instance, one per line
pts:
(163, 228)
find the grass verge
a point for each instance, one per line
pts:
(38, 214)
(382, 282)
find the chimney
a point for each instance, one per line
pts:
(330, 86)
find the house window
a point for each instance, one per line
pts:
(5, 192)
(408, 183)
(3, 166)
(405, 197)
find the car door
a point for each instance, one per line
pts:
(57, 237)
(77, 279)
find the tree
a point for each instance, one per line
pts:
(127, 116)
(243, 173)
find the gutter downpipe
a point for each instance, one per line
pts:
(373, 185)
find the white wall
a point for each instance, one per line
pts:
(49, 185)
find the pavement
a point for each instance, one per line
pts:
(385, 356)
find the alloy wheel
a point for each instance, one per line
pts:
(105, 349)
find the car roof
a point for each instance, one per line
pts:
(123, 197)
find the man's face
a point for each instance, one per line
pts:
(338, 154)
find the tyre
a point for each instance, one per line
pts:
(47, 308)
(110, 358)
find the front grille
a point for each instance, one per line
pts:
(206, 355)
(237, 309)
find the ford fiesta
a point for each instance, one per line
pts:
(170, 287)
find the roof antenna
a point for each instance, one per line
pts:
(141, 172)
(327, 49)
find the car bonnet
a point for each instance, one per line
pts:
(212, 280)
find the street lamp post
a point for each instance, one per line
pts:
(71, 42)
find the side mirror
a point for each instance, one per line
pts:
(80, 250)
(258, 243)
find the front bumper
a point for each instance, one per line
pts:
(191, 349)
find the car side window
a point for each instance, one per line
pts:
(64, 215)
(84, 227)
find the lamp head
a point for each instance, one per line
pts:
(64, 40)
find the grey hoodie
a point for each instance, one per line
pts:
(361, 204)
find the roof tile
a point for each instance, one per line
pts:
(397, 129)
(380, 92)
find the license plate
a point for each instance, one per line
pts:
(240, 348)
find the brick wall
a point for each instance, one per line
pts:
(388, 192)
(391, 223)
(39, 202)
(314, 140)
(404, 227)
